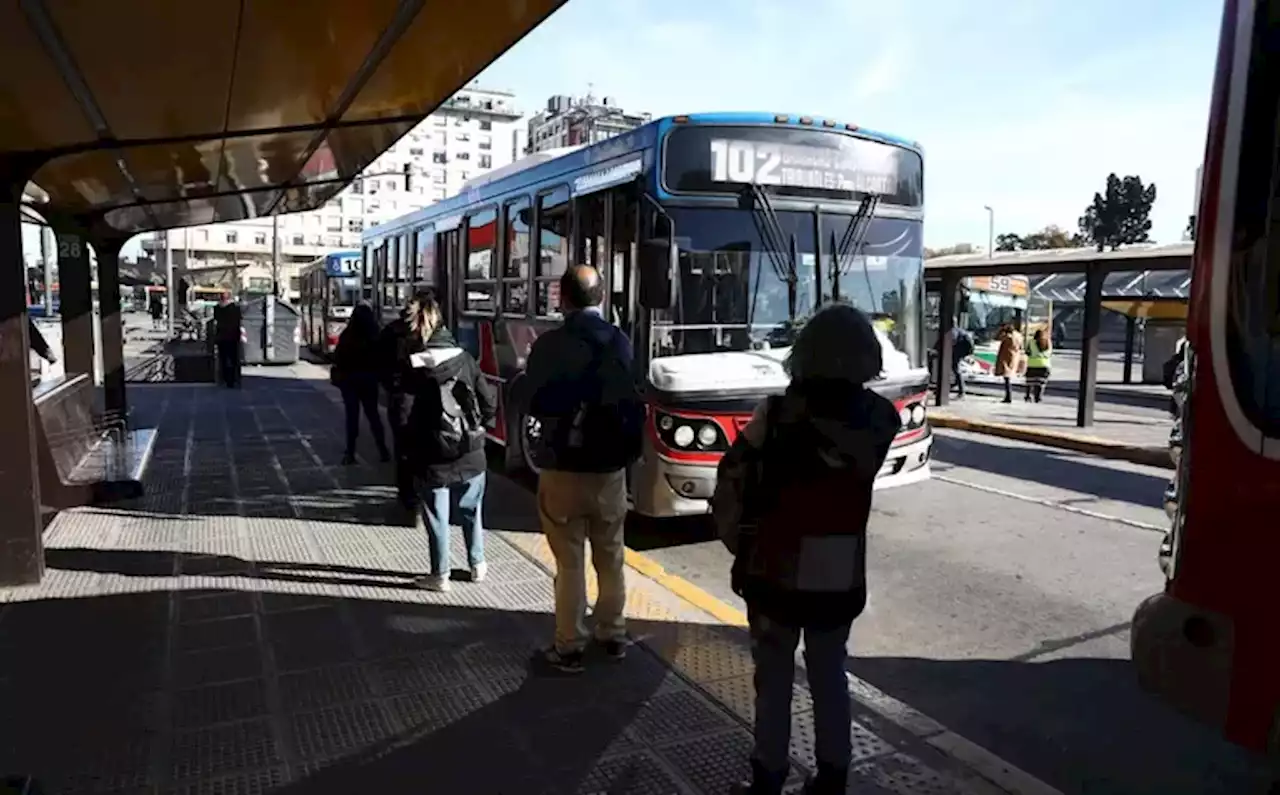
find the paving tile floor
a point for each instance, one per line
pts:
(249, 626)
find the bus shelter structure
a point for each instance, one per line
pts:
(265, 108)
(1096, 266)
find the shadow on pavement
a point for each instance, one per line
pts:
(1050, 467)
(238, 691)
(1079, 724)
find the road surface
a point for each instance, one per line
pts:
(1001, 595)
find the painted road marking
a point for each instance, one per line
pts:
(1051, 504)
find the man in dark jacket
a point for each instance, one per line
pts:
(444, 444)
(579, 383)
(396, 344)
(227, 328)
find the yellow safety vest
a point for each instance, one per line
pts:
(1035, 356)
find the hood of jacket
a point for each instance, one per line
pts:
(440, 359)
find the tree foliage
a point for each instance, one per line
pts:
(946, 251)
(1050, 237)
(1120, 214)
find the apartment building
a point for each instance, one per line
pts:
(574, 121)
(473, 132)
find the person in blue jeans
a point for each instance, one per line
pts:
(452, 404)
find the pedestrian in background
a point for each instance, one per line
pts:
(396, 344)
(1009, 357)
(1039, 364)
(355, 372)
(228, 328)
(580, 385)
(792, 501)
(452, 405)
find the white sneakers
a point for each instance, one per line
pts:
(434, 582)
(440, 582)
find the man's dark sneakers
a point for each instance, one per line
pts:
(615, 649)
(569, 662)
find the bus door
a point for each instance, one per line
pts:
(448, 257)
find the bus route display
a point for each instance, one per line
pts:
(790, 162)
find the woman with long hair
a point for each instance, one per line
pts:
(444, 436)
(792, 502)
(355, 372)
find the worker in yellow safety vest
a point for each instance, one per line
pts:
(1039, 360)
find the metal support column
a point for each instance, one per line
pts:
(76, 296)
(1094, 277)
(946, 322)
(112, 326)
(21, 530)
(1130, 332)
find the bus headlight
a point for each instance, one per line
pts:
(904, 417)
(689, 433)
(683, 436)
(707, 435)
(917, 414)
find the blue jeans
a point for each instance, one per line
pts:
(773, 646)
(434, 504)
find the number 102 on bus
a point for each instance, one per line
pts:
(745, 162)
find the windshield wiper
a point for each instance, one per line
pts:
(784, 264)
(855, 234)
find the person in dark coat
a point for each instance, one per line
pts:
(452, 405)
(396, 343)
(227, 329)
(355, 372)
(792, 502)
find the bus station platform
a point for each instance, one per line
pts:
(250, 625)
(1128, 433)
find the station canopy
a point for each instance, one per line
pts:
(139, 115)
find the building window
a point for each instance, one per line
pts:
(439, 121)
(333, 223)
(486, 161)
(553, 249)
(295, 283)
(389, 184)
(479, 283)
(486, 143)
(260, 238)
(357, 186)
(439, 158)
(486, 125)
(463, 156)
(438, 177)
(463, 137)
(515, 265)
(298, 240)
(466, 175)
(415, 151)
(233, 237)
(355, 224)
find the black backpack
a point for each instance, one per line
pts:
(963, 346)
(606, 431)
(459, 429)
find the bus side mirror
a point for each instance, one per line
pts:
(658, 268)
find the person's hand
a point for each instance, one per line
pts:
(52, 358)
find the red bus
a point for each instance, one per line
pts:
(1210, 643)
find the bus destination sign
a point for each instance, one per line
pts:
(790, 161)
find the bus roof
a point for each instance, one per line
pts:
(550, 166)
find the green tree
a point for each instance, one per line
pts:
(1120, 214)
(947, 251)
(1051, 236)
(1008, 242)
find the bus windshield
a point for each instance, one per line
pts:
(732, 296)
(344, 292)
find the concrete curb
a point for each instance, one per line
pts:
(1089, 445)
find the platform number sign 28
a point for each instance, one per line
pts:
(746, 162)
(68, 247)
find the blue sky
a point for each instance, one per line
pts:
(1024, 105)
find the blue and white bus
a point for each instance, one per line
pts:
(329, 288)
(717, 235)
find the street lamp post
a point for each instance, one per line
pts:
(991, 230)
